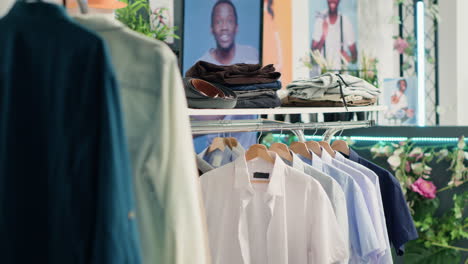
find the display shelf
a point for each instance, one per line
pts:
(283, 110)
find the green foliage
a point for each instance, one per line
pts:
(437, 234)
(417, 253)
(138, 17)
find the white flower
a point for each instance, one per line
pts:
(394, 161)
(387, 150)
(466, 155)
(416, 152)
(427, 169)
(418, 168)
(443, 153)
(374, 150)
(398, 152)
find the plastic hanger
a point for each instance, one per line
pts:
(341, 146)
(327, 148)
(301, 148)
(282, 150)
(258, 151)
(217, 143)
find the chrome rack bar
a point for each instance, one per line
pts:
(228, 126)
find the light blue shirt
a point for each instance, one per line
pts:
(387, 257)
(365, 246)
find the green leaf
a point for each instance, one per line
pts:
(418, 254)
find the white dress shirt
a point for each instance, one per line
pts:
(288, 220)
(334, 192)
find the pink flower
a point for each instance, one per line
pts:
(424, 188)
(408, 167)
(400, 45)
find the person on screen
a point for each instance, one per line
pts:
(399, 110)
(224, 27)
(334, 35)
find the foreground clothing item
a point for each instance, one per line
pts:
(237, 74)
(364, 244)
(334, 192)
(398, 218)
(202, 94)
(350, 101)
(329, 83)
(65, 183)
(289, 220)
(259, 86)
(387, 258)
(169, 208)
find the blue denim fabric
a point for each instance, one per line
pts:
(270, 86)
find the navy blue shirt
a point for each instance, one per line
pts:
(66, 192)
(400, 224)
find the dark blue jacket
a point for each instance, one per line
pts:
(65, 185)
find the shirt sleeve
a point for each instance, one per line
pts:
(178, 224)
(362, 234)
(326, 243)
(348, 32)
(317, 34)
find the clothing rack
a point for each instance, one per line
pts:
(230, 126)
(262, 125)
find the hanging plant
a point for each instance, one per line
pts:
(139, 17)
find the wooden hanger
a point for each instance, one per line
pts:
(217, 143)
(258, 151)
(341, 146)
(315, 147)
(233, 142)
(301, 148)
(282, 150)
(327, 147)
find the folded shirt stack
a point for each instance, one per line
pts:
(254, 86)
(331, 90)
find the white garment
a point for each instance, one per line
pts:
(334, 193)
(243, 54)
(401, 104)
(289, 220)
(333, 39)
(169, 212)
(329, 83)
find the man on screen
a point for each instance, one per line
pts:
(334, 36)
(224, 27)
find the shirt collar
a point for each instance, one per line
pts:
(297, 163)
(316, 161)
(98, 22)
(276, 184)
(327, 158)
(339, 156)
(39, 10)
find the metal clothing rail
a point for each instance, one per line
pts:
(229, 126)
